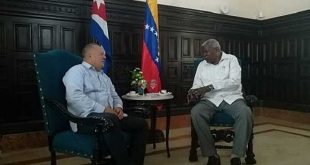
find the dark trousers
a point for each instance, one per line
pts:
(126, 151)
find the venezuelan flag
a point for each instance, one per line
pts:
(150, 55)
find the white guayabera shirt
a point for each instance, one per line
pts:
(224, 76)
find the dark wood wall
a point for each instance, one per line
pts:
(275, 52)
(283, 64)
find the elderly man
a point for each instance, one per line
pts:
(218, 83)
(90, 93)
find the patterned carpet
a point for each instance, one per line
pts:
(274, 144)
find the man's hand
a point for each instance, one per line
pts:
(109, 109)
(194, 95)
(119, 112)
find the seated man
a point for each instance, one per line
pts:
(90, 93)
(217, 85)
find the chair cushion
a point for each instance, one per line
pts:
(222, 119)
(77, 144)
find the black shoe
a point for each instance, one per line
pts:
(235, 161)
(213, 160)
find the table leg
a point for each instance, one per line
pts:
(153, 125)
(167, 127)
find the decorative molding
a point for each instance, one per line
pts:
(40, 7)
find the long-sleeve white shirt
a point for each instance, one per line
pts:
(224, 76)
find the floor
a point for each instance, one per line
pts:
(277, 142)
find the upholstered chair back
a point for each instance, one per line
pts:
(51, 67)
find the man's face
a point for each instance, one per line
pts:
(98, 57)
(210, 55)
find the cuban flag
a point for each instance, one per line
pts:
(99, 30)
(150, 55)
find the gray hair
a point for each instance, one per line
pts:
(88, 47)
(211, 44)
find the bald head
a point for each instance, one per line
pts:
(88, 48)
(94, 55)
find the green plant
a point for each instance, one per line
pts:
(137, 79)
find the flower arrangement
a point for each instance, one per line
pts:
(137, 80)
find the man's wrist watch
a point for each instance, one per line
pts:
(210, 87)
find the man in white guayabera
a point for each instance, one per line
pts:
(218, 84)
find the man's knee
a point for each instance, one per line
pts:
(199, 111)
(246, 112)
(195, 112)
(138, 123)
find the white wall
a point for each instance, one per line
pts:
(244, 8)
(275, 8)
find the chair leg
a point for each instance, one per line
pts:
(53, 158)
(97, 152)
(249, 153)
(194, 144)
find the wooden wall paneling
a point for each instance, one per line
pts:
(69, 37)
(186, 47)
(275, 53)
(279, 49)
(171, 61)
(196, 46)
(23, 37)
(291, 48)
(258, 60)
(126, 44)
(174, 88)
(174, 50)
(305, 47)
(272, 52)
(173, 72)
(267, 71)
(126, 54)
(47, 37)
(4, 75)
(7, 62)
(24, 44)
(304, 68)
(304, 91)
(2, 38)
(245, 66)
(238, 51)
(187, 72)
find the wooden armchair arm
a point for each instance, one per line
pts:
(251, 100)
(100, 125)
